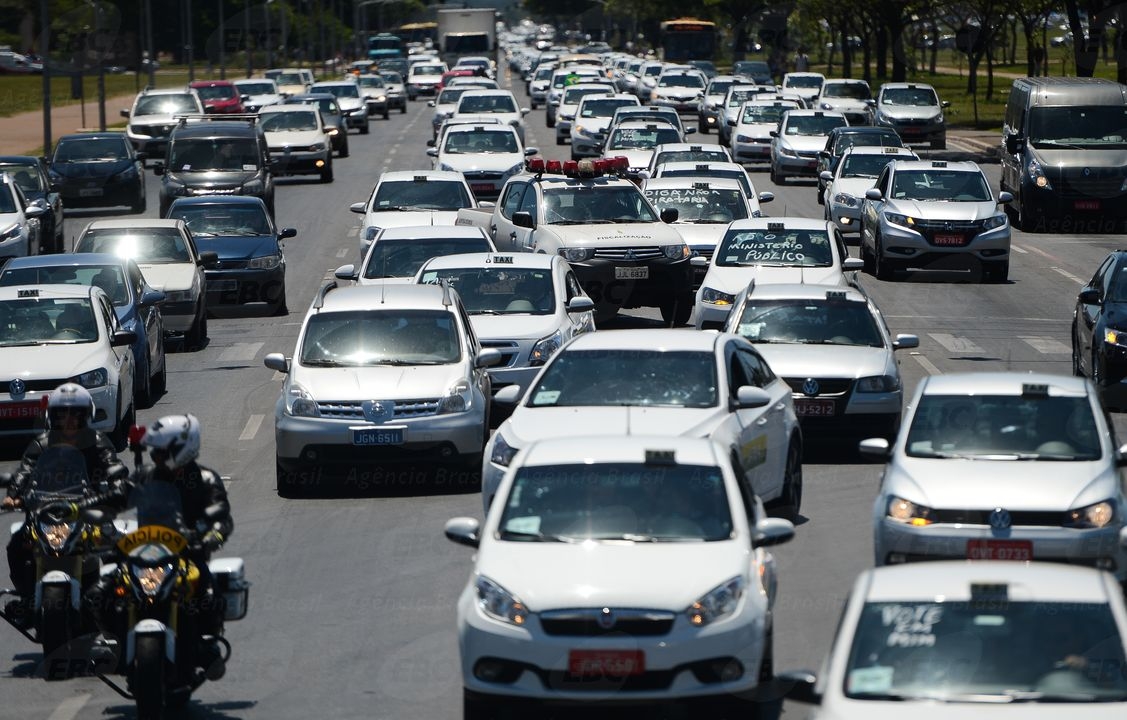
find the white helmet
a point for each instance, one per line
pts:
(178, 435)
(70, 396)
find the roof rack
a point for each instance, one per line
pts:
(249, 118)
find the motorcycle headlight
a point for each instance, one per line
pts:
(151, 579)
(718, 603)
(56, 534)
(901, 220)
(266, 262)
(175, 296)
(11, 232)
(503, 452)
(498, 603)
(878, 384)
(300, 403)
(459, 398)
(908, 512)
(93, 378)
(577, 254)
(545, 348)
(1093, 516)
(1037, 174)
(676, 252)
(994, 222)
(846, 199)
(715, 297)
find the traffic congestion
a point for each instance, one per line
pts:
(558, 382)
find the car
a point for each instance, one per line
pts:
(424, 77)
(657, 540)
(1097, 340)
(412, 197)
(499, 103)
(54, 334)
(98, 169)
(251, 268)
(445, 104)
(917, 639)
(769, 250)
(299, 141)
(396, 89)
(648, 73)
(914, 111)
(841, 139)
(526, 305)
(258, 93)
(375, 90)
(706, 67)
(924, 214)
(352, 103)
(1001, 466)
(382, 374)
(538, 87)
(687, 152)
(711, 169)
(292, 81)
(167, 256)
(331, 115)
(21, 231)
(153, 117)
(136, 305)
(751, 135)
(650, 113)
(856, 172)
(451, 122)
(219, 96)
(566, 76)
(636, 139)
(729, 110)
(807, 85)
(627, 80)
(592, 118)
(478, 64)
(832, 346)
(681, 90)
(708, 109)
(30, 176)
(486, 155)
(663, 381)
(397, 253)
(851, 98)
(569, 107)
(795, 145)
(453, 73)
(759, 71)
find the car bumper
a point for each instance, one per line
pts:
(178, 316)
(790, 165)
(241, 287)
(563, 128)
(910, 249)
(668, 281)
(153, 147)
(414, 90)
(917, 133)
(100, 192)
(301, 163)
(1079, 211)
(377, 108)
(709, 316)
(356, 119)
(681, 106)
(20, 416)
(751, 151)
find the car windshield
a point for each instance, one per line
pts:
(380, 337)
(940, 184)
(107, 277)
(1032, 426)
(852, 91)
(719, 87)
(392, 77)
(811, 322)
(603, 108)
(703, 155)
(652, 70)
(221, 154)
(427, 70)
(812, 124)
(257, 88)
(499, 291)
(642, 138)
(572, 96)
(646, 116)
(918, 97)
(864, 166)
(477, 141)
(426, 195)
(403, 258)
(846, 140)
(627, 377)
(142, 245)
(486, 104)
(91, 150)
(27, 177)
(217, 92)
(290, 79)
(804, 248)
(580, 205)
(271, 122)
(1078, 126)
(450, 96)
(804, 81)
(165, 105)
(700, 205)
(736, 98)
(371, 81)
(686, 81)
(989, 650)
(544, 74)
(34, 321)
(248, 220)
(343, 90)
(620, 502)
(764, 114)
(736, 173)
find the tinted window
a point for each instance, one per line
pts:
(144, 245)
(839, 322)
(481, 142)
(486, 104)
(854, 91)
(91, 149)
(288, 121)
(47, 320)
(918, 97)
(403, 258)
(27, 177)
(493, 291)
(596, 204)
(247, 220)
(940, 184)
(806, 248)
(428, 195)
(227, 154)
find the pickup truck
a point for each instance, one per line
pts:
(624, 253)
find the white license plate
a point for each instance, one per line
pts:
(378, 436)
(90, 192)
(632, 273)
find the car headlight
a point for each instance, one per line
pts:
(718, 603)
(1093, 516)
(381, 98)
(1115, 337)
(544, 349)
(498, 603)
(300, 403)
(1037, 174)
(676, 252)
(265, 262)
(786, 150)
(518, 168)
(901, 220)
(846, 199)
(743, 138)
(151, 579)
(577, 254)
(11, 232)
(174, 187)
(459, 398)
(578, 130)
(503, 453)
(715, 297)
(878, 384)
(994, 222)
(56, 534)
(175, 296)
(252, 186)
(92, 378)
(317, 147)
(883, 117)
(908, 512)
(938, 119)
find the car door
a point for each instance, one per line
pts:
(774, 418)
(746, 430)
(520, 237)
(121, 357)
(870, 209)
(501, 229)
(1088, 314)
(149, 315)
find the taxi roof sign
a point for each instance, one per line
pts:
(702, 166)
(420, 178)
(835, 294)
(892, 150)
(661, 457)
(696, 148)
(939, 163)
(989, 591)
(700, 186)
(1034, 390)
(29, 293)
(776, 226)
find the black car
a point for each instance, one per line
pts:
(841, 139)
(30, 174)
(1099, 331)
(330, 113)
(758, 70)
(98, 170)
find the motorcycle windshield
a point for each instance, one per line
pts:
(59, 472)
(158, 503)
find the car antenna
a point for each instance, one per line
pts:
(628, 419)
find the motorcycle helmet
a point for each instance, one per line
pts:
(174, 439)
(69, 397)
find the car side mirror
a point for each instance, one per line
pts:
(524, 111)
(487, 358)
(772, 531)
(690, 131)
(34, 211)
(463, 530)
(774, 133)
(486, 205)
(1090, 296)
(287, 233)
(670, 215)
(523, 219)
(798, 685)
(873, 194)
(430, 103)
(121, 338)
(826, 175)
(699, 261)
(208, 259)
(580, 304)
(276, 361)
(125, 113)
(1005, 196)
(749, 397)
(1014, 144)
(432, 152)
(530, 151)
(360, 207)
(766, 197)
(508, 395)
(904, 341)
(152, 297)
(142, 156)
(875, 448)
(852, 264)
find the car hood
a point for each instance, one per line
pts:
(513, 327)
(701, 236)
(1052, 159)
(237, 247)
(911, 112)
(593, 125)
(618, 234)
(806, 143)
(530, 424)
(854, 186)
(91, 168)
(798, 360)
(491, 162)
(639, 158)
(55, 361)
(379, 382)
(734, 279)
(168, 276)
(757, 130)
(932, 210)
(391, 218)
(213, 178)
(659, 576)
(351, 103)
(849, 104)
(263, 100)
(297, 138)
(677, 93)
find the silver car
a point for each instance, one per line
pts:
(922, 214)
(914, 111)
(1002, 466)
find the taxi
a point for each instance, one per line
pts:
(847, 184)
(412, 197)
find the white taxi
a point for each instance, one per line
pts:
(486, 155)
(412, 197)
(751, 135)
(856, 172)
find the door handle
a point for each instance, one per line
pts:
(761, 421)
(493, 230)
(513, 236)
(781, 406)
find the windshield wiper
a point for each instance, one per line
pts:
(28, 343)
(323, 362)
(399, 208)
(485, 312)
(531, 536)
(631, 537)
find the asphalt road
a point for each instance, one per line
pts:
(352, 606)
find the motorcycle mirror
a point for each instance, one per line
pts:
(215, 512)
(5, 480)
(93, 516)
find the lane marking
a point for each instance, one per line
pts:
(251, 429)
(1042, 253)
(1069, 275)
(342, 252)
(354, 232)
(1047, 346)
(240, 351)
(68, 709)
(992, 319)
(926, 364)
(394, 149)
(955, 344)
(1019, 249)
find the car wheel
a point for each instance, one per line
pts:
(883, 268)
(343, 148)
(702, 126)
(327, 172)
(1077, 369)
(997, 272)
(676, 312)
(403, 108)
(790, 502)
(551, 122)
(386, 113)
(119, 436)
(767, 663)
(939, 143)
(159, 382)
(197, 334)
(164, 208)
(143, 384)
(364, 129)
(534, 106)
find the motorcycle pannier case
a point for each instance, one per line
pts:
(231, 582)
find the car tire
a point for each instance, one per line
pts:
(551, 123)
(1077, 369)
(343, 148)
(821, 193)
(386, 113)
(141, 204)
(676, 312)
(1097, 374)
(702, 126)
(403, 108)
(159, 382)
(365, 129)
(120, 434)
(475, 707)
(560, 139)
(327, 172)
(997, 272)
(196, 336)
(776, 177)
(789, 503)
(282, 308)
(881, 266)
(288, 483)
(143, 384)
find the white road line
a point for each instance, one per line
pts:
(955, 344)
(926, 364)
(68, 709)
(394, 149)
(342, 252)
(251, 429)
(1019, 249)
(241, 351)
(1069, 275)
(354, 232)
(1048, 346)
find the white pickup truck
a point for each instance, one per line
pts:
(624, 254)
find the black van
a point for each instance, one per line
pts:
(1064, 154)
(226, 155)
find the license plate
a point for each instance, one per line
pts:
(632, 273)
(482, 187)
(378, 436)
(999, 549)
(813, 408)
(941, 239)
(90, 192)
(20, 411)
(1086, 204)
(222, 284)
(604, 663)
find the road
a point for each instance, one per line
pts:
(352, 606)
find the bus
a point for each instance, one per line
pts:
(384, 46)
(687, 39)
(419, 33)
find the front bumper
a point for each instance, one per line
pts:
(563, 128)
(376, 107)
(789, 165)
(226, 288)
(416, 89)
(178, 316)
(100, 192)
(668, 281)
(301, 163)
(909, 248)
(21, 414)
(357, 118)
(917, 133)
(1082, 206)
(755, 150)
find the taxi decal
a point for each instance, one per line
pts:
(754, 453)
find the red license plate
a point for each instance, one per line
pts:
(606, 663)
(1086, 204)
(482, 187)
(813, 408)
(999, 550)
(20, 411)
(949, 239)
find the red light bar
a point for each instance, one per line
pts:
(570, 168)
(536, 165)
(622, 163)
(554, 166)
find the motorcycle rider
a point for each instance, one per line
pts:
(70, 409)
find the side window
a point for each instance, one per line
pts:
(1101, 273)
(883, 180)
(1109, 276)
(511, 202)
(745, 494)
(137, 280)
(737, 376)
(756, 368)
(528, 203)
(572, 284)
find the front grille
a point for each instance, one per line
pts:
(212, 191)
(230, 265)
(509, 351)
(624, 253)
(1098, 183)
(354, 409)
(34, 385)
(585, 623)
(826, 386)
(1040, 518)
(153, 130)
(281, 151)
(965, 230)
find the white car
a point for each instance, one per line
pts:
(795, 145)
(712, 169)
(486, 155)
(992, 640)
(851, 98)
(21, 231)
(592, 118)
(397, 253)
(445, 104)
(619, 568)
(258, 93)
(526, 305)
(807, 85)
(729, 110)
(636, 139)
(569, 107)
(687, 152)
(412, 197)
(298, 139)
(352, 103)
(856, 172)
(751, 136)
(678, 89)
(52, 334)
(560, 78)
(293, 81)
(423, 78)
(153, 117)
(671, 382)
(770, 250)
(498, 103)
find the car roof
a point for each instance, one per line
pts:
(93, 136)
(19, 160)
(805, 291)
(811, 112)
(287, 109)
(542, 261)
(487, 92)
(166, 91)
(1001, 383)
(879, 150)
(59, 290)
(609, 95)
(64, 260)
(220, 200)
(690, 146)
(688, 181)
(629, 449)
(662, 339)
(423, 232)
(383, 296)
(905, 85)
(480, 127)
(410, 175)
(135, 223)
(960, 165)
(951, 581)
(790, 222)
(712, 165)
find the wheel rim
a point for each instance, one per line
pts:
(794, 478)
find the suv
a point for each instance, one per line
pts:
(415, 387)
(153, 117)
(851, 98)
(216, 157)
(914, 111)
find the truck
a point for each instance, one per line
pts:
(470, 31)
(624, 253)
